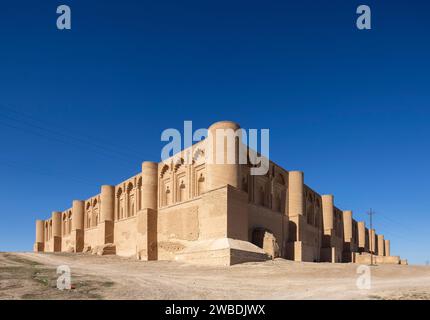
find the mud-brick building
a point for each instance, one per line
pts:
(203, 212)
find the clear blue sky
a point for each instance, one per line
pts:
(85, 107)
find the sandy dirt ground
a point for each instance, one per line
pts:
(33, 276)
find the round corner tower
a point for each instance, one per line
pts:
(222, 165)
(107, 207)
(149, 185)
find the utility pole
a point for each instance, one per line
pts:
(371, 213)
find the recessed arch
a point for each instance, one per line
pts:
(64, 224)
(179, 164)
(130, 187)
(69, 222)
(198, 154)
(164, 170)
(279, 178)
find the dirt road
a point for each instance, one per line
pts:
(33, 276)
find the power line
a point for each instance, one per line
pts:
(15, 165)
(57, 139)
(388, 231)
(50, 134)
(60, 136)
(85, 139)
(393, 221)
(27, 124)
